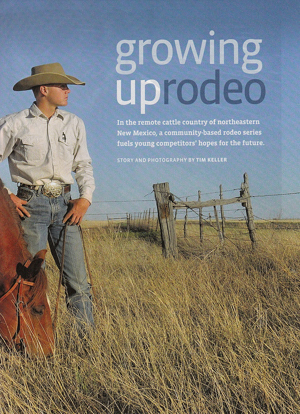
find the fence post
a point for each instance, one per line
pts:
(149, 219)
(249, 212)
(185, 221)
(218, 225)
(200, 218)
(128, 222)
(222, 212)
(166, 219)
(152, 223)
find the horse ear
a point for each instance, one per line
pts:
(34, 266)
(22, 271)
(37, 262)
(40, 255)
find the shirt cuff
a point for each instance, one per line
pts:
(8, 190)
(88, 196)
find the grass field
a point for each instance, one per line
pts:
(216, 331)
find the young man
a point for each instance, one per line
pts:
(44, 145)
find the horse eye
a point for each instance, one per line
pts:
(37, 310)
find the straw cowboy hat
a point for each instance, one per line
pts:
(46, 74)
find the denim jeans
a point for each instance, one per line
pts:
(45, 224)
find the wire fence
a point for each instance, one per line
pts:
(187, 220)
(123, 215)
(148, 219)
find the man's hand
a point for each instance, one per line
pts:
(19, 203)
(77, 210)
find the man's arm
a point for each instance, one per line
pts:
(82, 167)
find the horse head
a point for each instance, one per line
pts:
(25, 319)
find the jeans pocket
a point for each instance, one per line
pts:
(25, 194)
(67, 198)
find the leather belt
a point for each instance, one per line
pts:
(52, 189)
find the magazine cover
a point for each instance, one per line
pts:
(193, 93)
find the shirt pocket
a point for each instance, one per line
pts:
(66, 151)
(32, 149)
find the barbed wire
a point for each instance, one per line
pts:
(215, 192)
(181, 199)
(207, 219)
(121, 201)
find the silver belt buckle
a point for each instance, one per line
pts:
(52, 189)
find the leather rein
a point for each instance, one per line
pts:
(19, 283)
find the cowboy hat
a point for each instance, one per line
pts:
(46, 74)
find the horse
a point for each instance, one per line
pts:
(25, 317)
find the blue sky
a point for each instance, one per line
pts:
(83, 35)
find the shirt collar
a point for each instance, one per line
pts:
(35, 111)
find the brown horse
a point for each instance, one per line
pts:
(25, 319)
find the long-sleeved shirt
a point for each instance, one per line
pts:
(40, 150)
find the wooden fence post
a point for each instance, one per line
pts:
(218, 224)
(222, 212)
(128, 222)
(166, 219)
(200, 218)
(185, 222)
(153, 218)
(149, 219)
(249, 212)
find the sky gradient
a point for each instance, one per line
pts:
(83, 37)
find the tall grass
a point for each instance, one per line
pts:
(207, 333)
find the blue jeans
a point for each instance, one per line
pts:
(45, 224)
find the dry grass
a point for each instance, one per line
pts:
(215, 332)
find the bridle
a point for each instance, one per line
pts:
(20, 282)
(18, 336)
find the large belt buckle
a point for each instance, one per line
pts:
(52, 189)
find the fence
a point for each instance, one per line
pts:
(166, 204)
(149, 221)
(146, 221)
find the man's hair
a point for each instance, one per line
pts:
(36, 90)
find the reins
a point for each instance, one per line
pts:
(19, 283)
(60, 278)
(87, 262)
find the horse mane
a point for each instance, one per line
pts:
(9, 209)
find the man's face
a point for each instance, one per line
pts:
(57, 94)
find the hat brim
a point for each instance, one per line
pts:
(44, 79)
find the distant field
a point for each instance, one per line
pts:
(291, 223)
(216, 331)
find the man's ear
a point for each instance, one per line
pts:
(43, 90)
